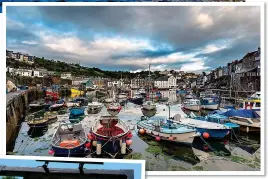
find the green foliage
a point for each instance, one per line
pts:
(77, 70)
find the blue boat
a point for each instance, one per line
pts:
(76, 113)
(207, 129)
(219, 119)
(209, 103)
(69, 140)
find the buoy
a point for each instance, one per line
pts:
(206, 135)
(129, 142)
(94, 143)
(98, 149)
(141, 131)
(225, 141)
(170, 138)
(51, 152)
(157, 138)
(123, 148)
(205, 147)
(87, 145)
(89, 136)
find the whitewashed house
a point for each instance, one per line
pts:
(172, 81)
(162, 82)
(23, 72)
(39, 72)
(66, 75)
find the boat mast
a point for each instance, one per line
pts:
(149, 83)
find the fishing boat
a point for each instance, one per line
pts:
(205, 128)
(251, 104)
(73, 103)
(110, 135)
(162, 129)
(69, 140)
(209, 103)
(36, 106)
(248, 120)
(76, 113)
(142, 91)
(192, 104)
(76, 92)
(33, 121)
(94, 107)
(82, 101)
(137, 99)
(51, 116)
(219, 119)
(114, 108)
(122, 96)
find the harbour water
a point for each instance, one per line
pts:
(160, 156)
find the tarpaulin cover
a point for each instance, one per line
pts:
(241, 113)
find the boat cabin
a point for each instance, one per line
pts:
(250, 104)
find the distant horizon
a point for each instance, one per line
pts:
(190, 39)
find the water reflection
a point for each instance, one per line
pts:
(34, 132)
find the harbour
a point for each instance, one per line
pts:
(169, 156)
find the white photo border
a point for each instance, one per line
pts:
(264, 101)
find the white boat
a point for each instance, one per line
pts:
(114, 108)
(94, 107)
(122, 96)
(172, 132)
(72, 104)
(192, 104)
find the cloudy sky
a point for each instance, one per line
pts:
(129, 38)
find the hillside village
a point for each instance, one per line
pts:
(240, 75)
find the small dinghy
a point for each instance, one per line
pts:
(76, 113)
(69, 140)
(162, 129)
(110, 135)
(37, 121)
(94, 107)
(114, 108)
(192, 104)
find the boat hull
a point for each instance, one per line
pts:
(148, 113)
(214, 133)
(183, 138)
(210, 106)
(249, 129)
(192, 108)
(75, 152)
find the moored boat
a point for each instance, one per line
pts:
(205, 128)
(219, 119)
(94, 107)
(36, 106)
(51, 116)
(166, 130)
(192, 104)
(56, 107)
(209, 103)
(110, 135)
(76, 113)
(249, 120)
(137, 99)
(69, 140)
(33, 121)
(114, 108)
